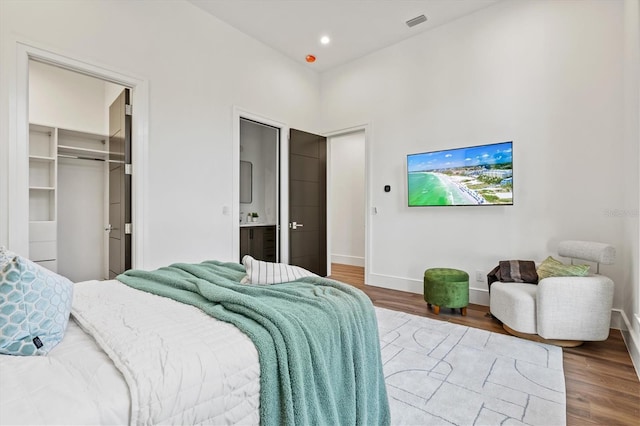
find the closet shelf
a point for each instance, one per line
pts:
(48, 145)
(74, 150)
(41, 158)
(68, 133)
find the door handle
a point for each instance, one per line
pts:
(108, 228)
(295, 225)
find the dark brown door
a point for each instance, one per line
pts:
(119, 227)
(308, 201)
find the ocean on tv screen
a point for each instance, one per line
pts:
(479, 175)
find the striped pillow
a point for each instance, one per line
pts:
(266, 273)
(551, 267)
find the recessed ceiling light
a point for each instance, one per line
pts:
(325, 39)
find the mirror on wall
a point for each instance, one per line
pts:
(246, 184)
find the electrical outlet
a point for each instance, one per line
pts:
(480, 276)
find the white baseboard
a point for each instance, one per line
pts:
(347, 260)
(631, 337)
(479, 296)
(617, 319)
(476, 295)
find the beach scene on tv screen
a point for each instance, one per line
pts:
(477, 175)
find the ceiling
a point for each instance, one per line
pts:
(356, 27)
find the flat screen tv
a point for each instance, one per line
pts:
(476, 175)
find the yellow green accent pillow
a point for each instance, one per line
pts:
(551, 267)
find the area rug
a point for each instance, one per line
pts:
(439, 373)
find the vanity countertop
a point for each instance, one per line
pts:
(252, 224)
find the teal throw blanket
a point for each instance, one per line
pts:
(317, 340)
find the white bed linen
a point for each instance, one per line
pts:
(180, 366)
(75, 384)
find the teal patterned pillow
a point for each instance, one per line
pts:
(34, 308)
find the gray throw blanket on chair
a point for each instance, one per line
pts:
(515, 271)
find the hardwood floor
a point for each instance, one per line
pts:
(602, 385)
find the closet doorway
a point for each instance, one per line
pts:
(71, 152)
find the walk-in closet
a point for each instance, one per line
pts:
(69, 165)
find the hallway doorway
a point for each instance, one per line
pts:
(348, 198)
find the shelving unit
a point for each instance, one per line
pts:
(46, 144)
(43, 168)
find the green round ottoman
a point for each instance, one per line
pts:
(446, 287)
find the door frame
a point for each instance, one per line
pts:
(368, 210)
(283, 205)
(282, 232)
(16, 173)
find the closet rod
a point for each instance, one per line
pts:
(75, 157)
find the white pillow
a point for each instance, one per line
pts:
(265, 273)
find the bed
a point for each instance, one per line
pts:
(150, 350)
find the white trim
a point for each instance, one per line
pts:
(345, 259)
(283, 191)
(479, 296)
(17, 176)
(239, 112)
(368, 139)
(7, 134)
(631, 337)
(617, 319)
(395, 283)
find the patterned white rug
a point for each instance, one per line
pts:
(439, 373)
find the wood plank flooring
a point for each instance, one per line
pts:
(602, 385)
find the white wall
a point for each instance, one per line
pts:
(197, 69)
(551, 76)
(631, 204)
(347, 192)
(62, 98)
(546, 75)
(81, 219)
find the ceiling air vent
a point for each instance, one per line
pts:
(417, 20)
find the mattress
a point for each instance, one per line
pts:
(132, 357)
(75, 384)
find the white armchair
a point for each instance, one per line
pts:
(565, 311)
